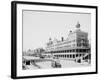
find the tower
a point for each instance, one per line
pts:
(78, 25)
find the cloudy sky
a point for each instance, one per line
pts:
(39, 26)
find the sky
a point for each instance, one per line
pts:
(39, 26)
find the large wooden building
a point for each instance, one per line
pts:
(75, 46)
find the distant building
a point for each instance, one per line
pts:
(29, 52)
(39, 50)
(76, 45)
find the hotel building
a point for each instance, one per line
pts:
(74, 47)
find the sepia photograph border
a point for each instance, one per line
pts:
(14, 38)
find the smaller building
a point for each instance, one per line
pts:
(39, 52)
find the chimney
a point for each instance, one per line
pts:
(70, 31)
(62, 38)
(78, 25)
(49, 39)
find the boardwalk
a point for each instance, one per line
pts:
(45, 64)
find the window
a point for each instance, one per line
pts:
(80, 55)
(73, 45)
(80, 50)
(67, 50)
(73, 50)
(67, 55)
(76, 55)
(70, 56)
(73, 56)
(77, 50)
(84, 50)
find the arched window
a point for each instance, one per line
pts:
(76, 55)
(73, 56)
(67, 50)
(70, 56)
(80, 55)
(77, 50)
